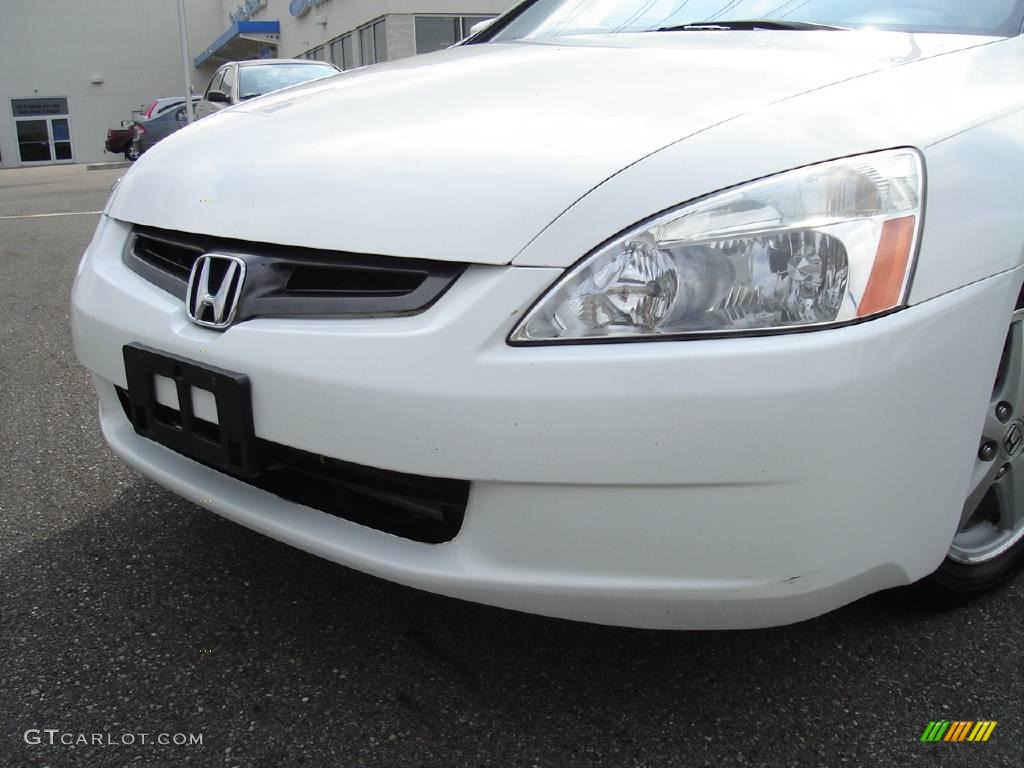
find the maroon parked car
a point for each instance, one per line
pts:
(119, 141)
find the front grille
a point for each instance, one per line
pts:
(424, 509)
(285, 281)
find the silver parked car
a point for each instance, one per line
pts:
(146, 133)
(244, 80)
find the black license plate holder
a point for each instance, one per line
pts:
(229, 445)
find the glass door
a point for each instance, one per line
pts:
(43, 129)
(44, 140)
(34, 141)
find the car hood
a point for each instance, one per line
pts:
(468, 154)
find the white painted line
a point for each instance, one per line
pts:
(48, 215)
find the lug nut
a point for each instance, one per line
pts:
(987, 452)
(1004, 412)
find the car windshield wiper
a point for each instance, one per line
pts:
(749, 24)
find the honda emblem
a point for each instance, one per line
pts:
(214, 288)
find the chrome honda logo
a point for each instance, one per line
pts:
(214, 288)
(1013, 439)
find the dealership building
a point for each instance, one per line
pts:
(71, 69)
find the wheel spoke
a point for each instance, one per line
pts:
(1009, 498)
(985, 473)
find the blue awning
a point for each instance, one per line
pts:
(242, 40)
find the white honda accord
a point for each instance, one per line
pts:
(639, 312)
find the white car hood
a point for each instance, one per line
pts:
(468, 154)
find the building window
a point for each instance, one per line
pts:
(366, 46)
(380, 42)
(342, 52)
(373, 45)
(434, 33)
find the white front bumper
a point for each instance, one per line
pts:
(729, 483)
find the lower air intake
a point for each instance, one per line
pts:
(425, 509)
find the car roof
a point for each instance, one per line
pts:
(256, 62)
(168, 115)
(161, 101)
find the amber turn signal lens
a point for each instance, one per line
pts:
(884, 290)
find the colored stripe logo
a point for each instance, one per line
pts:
(958, 730)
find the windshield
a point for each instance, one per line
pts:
(258, 79)
(539, 19)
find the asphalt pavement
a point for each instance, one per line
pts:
(127, 611)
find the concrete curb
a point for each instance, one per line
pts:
(108, 166)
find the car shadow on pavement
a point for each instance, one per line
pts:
(157, 614)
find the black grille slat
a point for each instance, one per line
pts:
(286, 281)
(166, 255)
(425, 509)
(330, 280)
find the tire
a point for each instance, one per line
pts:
(956, 582)
(132, 154)
(988, 547)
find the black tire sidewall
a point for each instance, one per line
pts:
(965, 580)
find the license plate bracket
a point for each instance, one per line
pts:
(230, 445)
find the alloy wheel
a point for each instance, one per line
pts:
(992, 520)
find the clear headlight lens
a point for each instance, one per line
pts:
(820, 245)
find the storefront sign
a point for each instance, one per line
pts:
(246, 10)
(37, 107)
(302, 7)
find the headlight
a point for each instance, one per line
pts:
(818, 246)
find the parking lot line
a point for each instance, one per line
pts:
(50, 215)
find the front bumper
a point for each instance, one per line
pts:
(703, 484)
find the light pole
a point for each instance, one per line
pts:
(183, 35)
